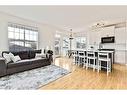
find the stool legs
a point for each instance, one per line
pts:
(93, 65)
(107, 68)
(87, 63)
(99, 65)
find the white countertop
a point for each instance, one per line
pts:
(104, 51)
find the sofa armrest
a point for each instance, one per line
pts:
(2, 67)
(49, 56)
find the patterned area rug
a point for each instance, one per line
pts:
(32, 79)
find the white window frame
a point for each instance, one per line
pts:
(33, 34)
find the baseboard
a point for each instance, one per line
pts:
(120, 63)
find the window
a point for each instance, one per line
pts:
(81, 42)
(57, 44)
(66, 44)
(22, 37)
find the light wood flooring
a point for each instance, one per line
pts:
(80, 78)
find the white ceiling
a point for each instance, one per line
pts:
(66, 17)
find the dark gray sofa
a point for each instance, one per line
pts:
(28, 61)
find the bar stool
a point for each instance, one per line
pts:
(105, 58)
(74, 54)
(81, 58)
(85, 59)
(91, 56)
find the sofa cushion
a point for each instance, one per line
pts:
(40, 55)
(32, 54)
(19, 63)
(38, 60)
(22, 54)
(38, 51)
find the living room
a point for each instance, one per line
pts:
(63, 47)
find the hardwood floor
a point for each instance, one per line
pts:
(80, 78)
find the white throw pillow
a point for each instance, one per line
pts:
(40, 55)
(7, 57)
(42, 51)
(11, 55)
(0, 53)
(15, 58)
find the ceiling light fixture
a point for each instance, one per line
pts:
(71, 35)
(98, 25)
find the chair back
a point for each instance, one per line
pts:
(81, 53)
(103, 55)
(90, 54)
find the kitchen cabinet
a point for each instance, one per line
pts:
(107, 31)
(94, 37)
(120, 35)
(120, 45)
(120, 57)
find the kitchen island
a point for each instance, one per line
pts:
(110, 53)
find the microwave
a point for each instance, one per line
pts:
(110, 39)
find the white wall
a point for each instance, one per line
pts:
(46, 32)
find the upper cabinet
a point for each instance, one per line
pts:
(95, 36)
(120, 35)
(107, 31)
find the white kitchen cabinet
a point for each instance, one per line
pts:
(94, 37)
(107, 31)
(120, 45)
(120, 57)
(91, 37)
(120, 35)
